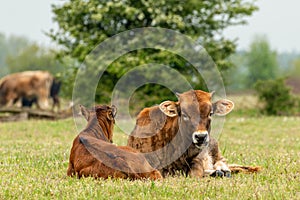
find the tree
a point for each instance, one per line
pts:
(83, 24)
(261, 61)
(12, 46)
(236, 76)
(277, 97)
(295, 71)
(34, 57)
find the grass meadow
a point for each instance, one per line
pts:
(34, 157)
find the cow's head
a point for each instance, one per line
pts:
(194, 110)
(105, 116)
(99, 111)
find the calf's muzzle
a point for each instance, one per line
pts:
(200, 138)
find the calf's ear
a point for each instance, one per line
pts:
(169, 108)
(114, 111)
(84, 112)
(222, 107)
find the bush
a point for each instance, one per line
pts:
(297, 107)
(276, 96)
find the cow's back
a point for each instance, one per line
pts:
(121, 162)
(27, 84)
(153, 130)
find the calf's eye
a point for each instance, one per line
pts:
(185, 117)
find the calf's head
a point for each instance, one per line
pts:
(104, 116)
(194, 110)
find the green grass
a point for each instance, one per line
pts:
(34, 158)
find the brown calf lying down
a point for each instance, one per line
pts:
(93, 154)
(182, 128)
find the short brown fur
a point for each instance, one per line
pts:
(27, 84)
(92, 152)
(154, 130)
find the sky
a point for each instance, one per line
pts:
(277, 19)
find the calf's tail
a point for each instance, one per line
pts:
(244, 169)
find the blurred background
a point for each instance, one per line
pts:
(255, 44)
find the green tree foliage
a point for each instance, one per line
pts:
(236, 77)
(261, 61)
(295, 71)
(34, 57)
(12, 46)
(83, 24)
(277, 97)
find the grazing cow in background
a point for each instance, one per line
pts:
(54, 90)
(93, 153)
(181, 126)
(29, 85)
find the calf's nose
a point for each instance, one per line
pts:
(200, 137)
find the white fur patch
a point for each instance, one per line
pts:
(220, 165)
(200, 134)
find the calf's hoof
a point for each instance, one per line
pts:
(227, 174)
(217, 173)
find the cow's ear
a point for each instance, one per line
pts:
(169, 108)
(84, 112)
(114, 111)
(222, 107)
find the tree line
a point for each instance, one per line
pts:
(83, 24)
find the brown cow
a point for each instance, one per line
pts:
(28, 84)
(93, 154)
(54, 90)
(175, 135)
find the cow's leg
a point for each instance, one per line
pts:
(88, 171)
(10, 99)
(56, 102)
(101, 171)
(208, 166)
(42, 103)
(200, 169)
(9, 103)
(92, 169)
(70, 171)
(154, 175)
(219, 162)
(42, 98)
(210, 162)
(201, 164)
(222, 166)
(18, 103)
(197, 170)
